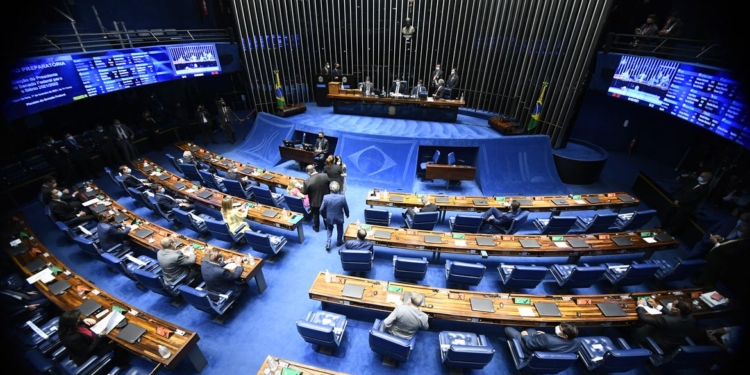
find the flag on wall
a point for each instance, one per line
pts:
(535, 114)
(279, 92)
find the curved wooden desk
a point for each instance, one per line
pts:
(290, 222)
(301, 367)
(455, 305)
(183, 343)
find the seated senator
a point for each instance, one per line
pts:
(82, 343)
(294, 190)
(427, 206)
(188, 158)
(131, 181)
(222, 276)
(167, 202)
(360, 243)
(499, 219)
(68, 211)
(669, 329)
(406, 319)
(111, 234)
(176, 263)
(533, 340)
(49, 183)
(234, 217)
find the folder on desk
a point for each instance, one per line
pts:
(530, 244)
(119, 218)
(205, 194)
(194, 149)
(482, 304)
(163, 176)
(485, 241)
(383, 234)
(442, 199)
(593, 200)
(247, 170)
(480, 202)
(179, 186)
(19, 249)
(560, 202)
(148, 169)
(143, 233)
(663, 237)
(547, 309)
(353, 291)
(611, 309)
(90, 193)
(36, 265)
(131, 333)
(59, 287)
(98, 208)
(267, 176)
(205, 157)
(625, 198)
(524, 202)
(269, 213)
(577, 243)
(289, 371)
(396, 198)
(622, 241)
(89, 307)
(433, 239)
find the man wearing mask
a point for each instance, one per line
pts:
(686, 204)
(321, 150)
(104, 143)
(67, 212)
(326, 71)
(419, 89)
(538, 341)
(167, 202)
(367, 87)
(226, 117)
(398, 88)
(124, 136)
(436, 77)
(204, 124)
(452, 83)
(131, 181)
(49, 184)
(79, 156)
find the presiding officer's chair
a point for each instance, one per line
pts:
(601, 356)
(465, 350)
(389, 346)
(322, 328)
(539, 362)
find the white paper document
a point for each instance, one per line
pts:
(90, 202)
(15, 243)
(44, 275)
(561, 244)
(137, 261)
(105, 325)
(84, 230)
(460, 242)
(393, 298)
(37, 330)
(526, 311)
(649, 239)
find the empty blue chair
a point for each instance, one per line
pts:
(389, 346)
(554, 225)
(517, 223)
(422, 220)
(633, 274)
(192, 221)
(434, 160)
(76, 231)
(464, 273)
(191, 172)
(174, 163)
(528, 277)
(356, 260)
(211, 181)
(155, 282)
(206, 211)
(297, 204)
(597, 224)
(49, 328)
(88, 246)
(539, 362)
(220, 230)
(688, 356)
(633, 220)
(264, 242)
(409, 268)
(574, 276)
(677, 269)
(600, 355)
(465, 350)
(265, 196)
(235, 188)
(126, 267)
(322, 328)
(465, 223)
(41, 363)
(376, 216)
(202, 299)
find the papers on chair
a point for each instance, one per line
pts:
(430, 99)
(597, 347)
(597, 358)
(84, 230)
(37, 330)
(460, 242)
(44, 275)
(135, 260)
(649, 239)
(561, 244)
(619, 268)
(105, 325)
(91, 201)
(393, 298)
(526, 311)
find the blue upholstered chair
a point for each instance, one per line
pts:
(409, 268)
(539, 362)
(126, 267)
(634, 274)
(211, 181)
(423, 166)
(297, 204)
(555, 225)
(574, 276)
(597, 224)
(220, 230)
(155, 282)
(264, 242)
(322, 328)
(75, 231)
(140, 198)
(465, 223)
(87, 246)
(191, 173)
(39, 360)
(356, 260)
(677, 269)
(94, 365)
(601, 356)
(517, 223)
(202, 299)
(465, 350)
(167, 215)
(192, 220)
(422, 220)
(389, 346)
(235, 188)
(464, 273)
(376, 216)
(265, 196)
(207, 212)
(513, 276)
(32, 339)
(633, 220)
(115, 178)
(174, 163)
(688, 356)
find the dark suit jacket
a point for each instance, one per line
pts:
(691, 195)
(80, 346)
(366, 85)
(417, 89)
(438, 73)
(128, 132)
(452, 81)
(321, 144)
(166, 203)
(358, 244)
(316, 187)
(723, 228)
(110, 235)
(336, 73)
(226, 117)
(429, 207)
(218, 279)
(63, 211)
(547, 342)
(334, 208)
(131, 181)
(237, 177)
(401, 88)
(174, 264)
(725, 262)
(334, 173)
(669, 330)
(102, 140)
(439, 92)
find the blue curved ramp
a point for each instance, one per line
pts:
(379, 161)
(262, 143)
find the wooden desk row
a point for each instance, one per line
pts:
(399, 100)
(170, 181)
(153, 241)
(510, 245)
(302, 368)
(272, 179)
(182, 343)
(455, 305)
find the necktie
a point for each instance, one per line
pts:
(73, 142)
(397, 87)
(226, 118)
(203, 117)
(121, 132)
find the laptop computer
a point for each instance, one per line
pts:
(611, 309)
(226, 163)
(407, 296)
(524, 202)
(593, 200)
(148, 169)
(267, 176)
(396, 198)
(163, 176)
(98, 208)
(36, 265)
(269, 213)
(119, 218)
(194, 149)
(205, 157)
(560, 202)
(625, 198)
(89, 307)
(442, 199)
(622, 241)
(479, 202)
(663, 237)
(247, 170)
(19, 249)
(90, 194)
(353, 291)
(482, 304)
(383, 234)
(547, 309)
(179, 186)
(205, 194)
(530, 244)
(143, 233)
(433, 239)
(131, 333)
(485, 241)
(577, 243)
(59, 287)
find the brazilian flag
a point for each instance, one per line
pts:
(279, 91)
(537, 109)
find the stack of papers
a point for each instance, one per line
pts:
(526, 311)
(90, 202)
(649, 239)
(105, 325)
(460, 242)
(712, 303)
(44, 275)
(652, 310)
(561, 244)
(580, 201)
(137, 261)
(393, 298)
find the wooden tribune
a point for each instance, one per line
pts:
(291, 110)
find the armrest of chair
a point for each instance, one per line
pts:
(690, 341)
(483, 340)
(179, 280)
(115, 248)
(654, 346)
(152, 266)
(515, 345)
(91, 362)
(623, 344)
(554, 355)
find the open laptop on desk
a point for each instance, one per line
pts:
(524, 202)
(267, 176)
(179, 186)
(547, 309)
(663, 237)
(625, 198)
(611, 309)
(593, 200)
(89, 307)
(485, 241)
(119, 218)
(163, 177)
(143, 233)
(247, 171)
(622, 241)
(577, 243)
(19, 249)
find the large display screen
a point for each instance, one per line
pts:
(705, 96)
(42, 83)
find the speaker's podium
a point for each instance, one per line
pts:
(291, 110)
(321, 90)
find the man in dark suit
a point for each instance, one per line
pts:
(419, 88)
(724, 261)
(427, 206)
(104, 143)
(315, 187)
(326, 70)
(724, 230)
(367, 87)
(79, 156)
(56, 156)
(112, 234)
(49, 183)
(67, 212)
(204, 124)
(222, 276)
(226, 118)
(360, 243)
(167, 202)
(234, 174)
(668, 329)
(321, 150)
(175, 263)
(439, 90)
(686, 203)
(436, 76)
(538, 341)
(334, 208)
(397, 87)
(124, 136)
(499, 219)
(452, 82)
(336, 73)
(131, 181)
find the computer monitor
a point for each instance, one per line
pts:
(288, 143)
(307, 146)
(446, 94)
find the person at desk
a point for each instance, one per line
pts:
(336, 73)
(204, 124)
(123, 136)
(293, 189)
(360, 243)
(427, 206)
(111, 234)
(501, 220)
(315, 187)
(405, 320)
(234, 217)
(334, 208)
(439, 90)
(234, 174)
(436, 76)
(167, 202)
(686, 203)
(398, 88)
(321, 149)
(725, 230)
(131, 181)
(49, 184)
(538, 341)
(367, 87)
(82, 343)
(668, 329)
(68, 212)
(176, 263)
(222, 276)
(188, 158)
(419, 89)
(724, 261)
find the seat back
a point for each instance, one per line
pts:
(263, 196)
(154, 282)
(139, 197)
(234, 187)
(174, 162)
(197, 298)
(425, 220)
(388, 345)
(436, 156)
(86, 245)
(451, 158)
(209, 211)
(115, 178)
(297, 204)
(220, 230)
(316, 334)
(466, 223)
(115, 263)
(260, 242)
(681, 270)
(623, 360)
(464, 273)
(638, 220)
(584, 276)
(518, 222)
(559, 225)
(409, 268)
(376, 216)
(355, 259)
(65, 229)
(209, 179)
(689, 356)
(549, 362)
(191, 172)
(600, 223)
(168, 215)
(467, 356)
(637, 273)
(523, 276)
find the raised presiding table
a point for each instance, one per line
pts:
(571, 246)
(272, 179)
(34, 259)
(403, 107)
(497, 308)
(259, 213)
(450, 172)
(287, 367)
(301, 156)
(252, 267)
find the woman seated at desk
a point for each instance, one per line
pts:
(234, 217)
(82, 342)
(293, 190)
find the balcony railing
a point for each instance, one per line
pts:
(688, 50)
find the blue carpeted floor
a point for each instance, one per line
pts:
(262, 324)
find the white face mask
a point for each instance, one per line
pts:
(59, 194)
(558, 331)
(700, 180)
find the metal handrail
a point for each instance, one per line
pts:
(669, 48)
